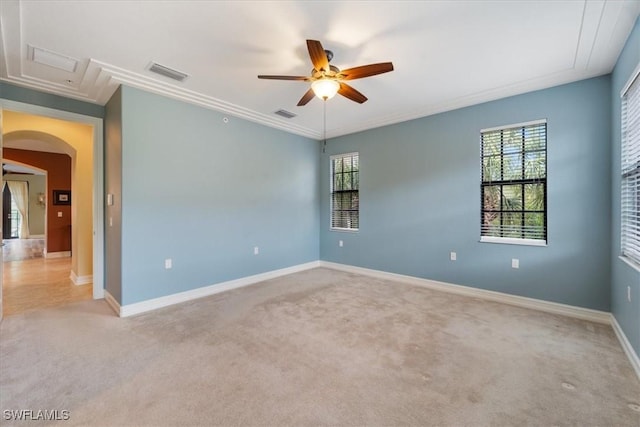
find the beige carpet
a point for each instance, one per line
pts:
(319, 347)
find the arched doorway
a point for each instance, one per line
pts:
(56, 157)
(81, 138)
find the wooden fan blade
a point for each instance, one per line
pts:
(308, 96)
(301, 78)
(349, 92)
(365, 71)
(318, 55)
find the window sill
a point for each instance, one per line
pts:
(631, 263)
(345, 230)
(513, 241)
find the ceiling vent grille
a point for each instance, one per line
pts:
(52, 59)
(286, 114)
(168, 72)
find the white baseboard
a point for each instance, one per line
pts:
(115, 306)
(535, 304)
(61, 254)
(36, 236)
(153, 304)
(80, 280)
(626, 345)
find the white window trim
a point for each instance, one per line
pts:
(631, 263)
(343, 230)
(514, 240)
(331, 158)
(514, 125)
(626, 87)
(634, 75)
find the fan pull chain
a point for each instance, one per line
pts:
(324, 108)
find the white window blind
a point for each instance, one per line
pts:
(630, 194)
(345, 184)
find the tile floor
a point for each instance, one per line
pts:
(31, 282)
(19, 249)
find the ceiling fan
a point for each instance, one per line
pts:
(327, 80)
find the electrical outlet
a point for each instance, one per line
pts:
(629, 293)
(515, 263)
(168, 263)
(453, 256)
(341, 243)
(256, 250)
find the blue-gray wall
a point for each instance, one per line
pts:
(113, 187)
(30, 96)
(420, 198)
(627, 313)
(204, 193)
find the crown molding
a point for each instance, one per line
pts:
(118, 76)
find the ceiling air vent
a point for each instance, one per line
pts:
(286, 114)
(52, 59)
(168, 72)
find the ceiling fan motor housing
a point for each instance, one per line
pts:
(333, 70)
(329, 54)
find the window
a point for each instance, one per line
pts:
(514, 184)
(630, 194)
(345, 181)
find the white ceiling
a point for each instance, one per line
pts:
(447, 54)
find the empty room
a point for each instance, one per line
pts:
(362, 213)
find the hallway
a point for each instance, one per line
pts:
(32, 282)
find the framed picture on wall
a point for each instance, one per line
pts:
(61, 197)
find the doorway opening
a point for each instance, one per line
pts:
(80, 259)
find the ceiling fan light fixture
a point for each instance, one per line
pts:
(325, 88)
(327, 80)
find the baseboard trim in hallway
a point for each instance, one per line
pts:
(165, 301)
(62, 254)
(80, 280)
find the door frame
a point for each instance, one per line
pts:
(98, 177)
